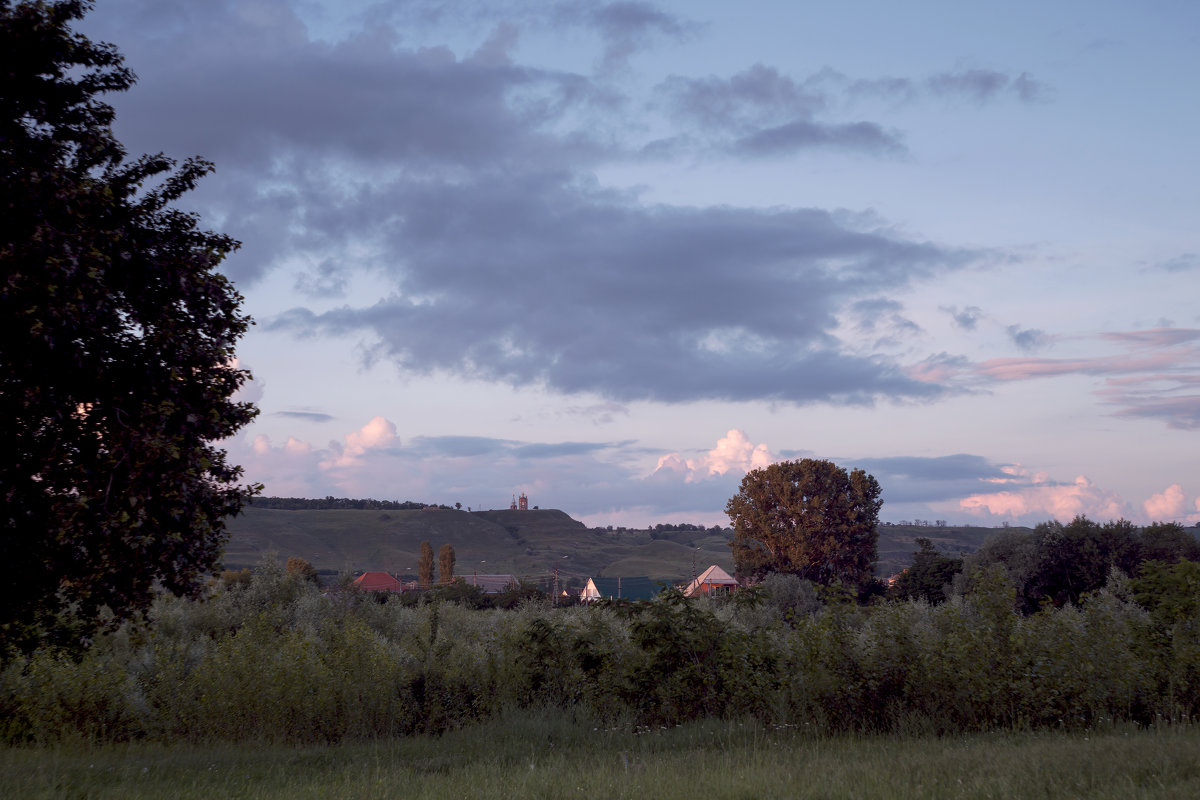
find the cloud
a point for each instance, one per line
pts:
(605, 482)
(799, 134)
(761, 112)
(378, 434)
(627, 27)
(982, 85)
(1054, 500)
(251, 390)
(966, 319)
(1153, 375)
(1185, 262)
(917, 479)
(752, 98)
(734, 453)
(311, 416)
(583, 290)
(1027, 338)
(582, 478)
(598, 413)
(1169, 504)
(464, 179)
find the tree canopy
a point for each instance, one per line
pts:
(810, 518)
(446, 564)
(117, 369)
(425, 566)
(928, 575)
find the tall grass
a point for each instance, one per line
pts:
(536, 754)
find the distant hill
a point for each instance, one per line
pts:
(529, 544)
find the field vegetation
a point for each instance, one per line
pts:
(276, 660)
(540, 754)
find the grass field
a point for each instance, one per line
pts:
(546, 755)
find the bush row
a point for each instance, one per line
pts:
(276, 660)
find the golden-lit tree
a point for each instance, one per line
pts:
(425, 566)
(446, 564)
(809, 518)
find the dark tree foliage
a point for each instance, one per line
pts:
(928, 576)
(1076, 558)
(1169, 542)
(117, 347)
(810, 518)
(1058, 564)
(445, 564)
(1169, 591)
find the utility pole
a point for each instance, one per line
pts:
(556, 586)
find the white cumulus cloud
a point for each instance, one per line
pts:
(734, 453)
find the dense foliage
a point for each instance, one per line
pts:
(1058, 564)
(277, 660)
(117, 367)
(929, 577)
(807, 517)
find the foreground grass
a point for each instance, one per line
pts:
(546, 756)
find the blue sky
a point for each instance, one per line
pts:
(615, 254)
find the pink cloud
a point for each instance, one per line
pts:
(1017, 369)
(1059, 501)
(377, 434)
(1145, 382)
(293, 446)
(1169, 504)
(1154, 337)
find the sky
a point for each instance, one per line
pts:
(614, 255)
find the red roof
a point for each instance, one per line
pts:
(377, 582)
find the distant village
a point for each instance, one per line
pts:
(711, 581)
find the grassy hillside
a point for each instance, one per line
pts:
(529, 544)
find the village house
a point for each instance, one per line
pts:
(713, 580)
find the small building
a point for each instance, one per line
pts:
(713, 580)
(377, 582)
(639, 588)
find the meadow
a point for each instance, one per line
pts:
(544, 754)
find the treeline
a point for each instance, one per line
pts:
(276, 660)
(326, 503)
(1053, 565)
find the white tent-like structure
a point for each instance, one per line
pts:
(713, 580)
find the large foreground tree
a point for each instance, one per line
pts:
(809, 518)
(117, 369)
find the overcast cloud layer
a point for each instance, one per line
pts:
(594, 213)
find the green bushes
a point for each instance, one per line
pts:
(277, 661)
